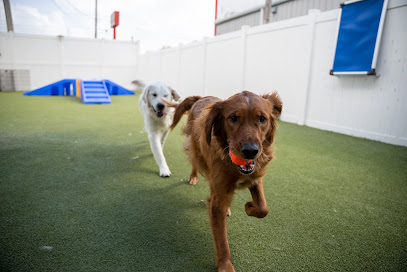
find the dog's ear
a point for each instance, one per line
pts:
(145, 95)
(277, 107)
(276, 103)
(214, 122)
(175, 95)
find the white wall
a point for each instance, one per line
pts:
(294, 57)
(50, 59)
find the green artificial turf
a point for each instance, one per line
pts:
(80, 191)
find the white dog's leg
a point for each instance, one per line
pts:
(164, 138)
(156, 147)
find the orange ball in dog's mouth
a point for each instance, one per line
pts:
(245, 166)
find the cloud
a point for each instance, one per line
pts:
(30, 20)
(86, 8)
(156, 23)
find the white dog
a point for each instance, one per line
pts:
(157, 119)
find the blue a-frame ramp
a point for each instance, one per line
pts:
(90, 91)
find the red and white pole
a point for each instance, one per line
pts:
(216, 14)
(114, 18)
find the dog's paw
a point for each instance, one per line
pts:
(165, 173)
(226, 267)
(193, 180)
(251, 210)
(228, 212)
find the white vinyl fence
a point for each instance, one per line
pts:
(48, 59)
(294, 57)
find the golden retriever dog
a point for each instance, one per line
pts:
(230, 142)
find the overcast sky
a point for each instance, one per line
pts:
(156, 23)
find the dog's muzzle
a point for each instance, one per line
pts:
(160, 111)
(245, 166)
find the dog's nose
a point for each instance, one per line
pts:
(250, 150)
(160, 106)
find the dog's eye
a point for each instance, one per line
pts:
(262, 119)
(155, 95)
(233, 118)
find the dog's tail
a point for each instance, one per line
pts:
(169, 103)
(182, 108)
(139, 84)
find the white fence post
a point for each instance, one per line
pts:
(160, 74)
(11, 36)
(61, 46)
(204, 48)
(179, 72)
(102, 58)
(302, 118)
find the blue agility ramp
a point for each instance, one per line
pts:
(60, 88)
(90, 91)
(358, 37)
(116, 89)
(94, 92)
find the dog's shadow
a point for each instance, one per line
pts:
(163, 234)
(142, 164)
(165, 230)
(143, 160)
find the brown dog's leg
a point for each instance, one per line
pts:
(218, 206)
(193, 178)
(257, 207)
(208, 201)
